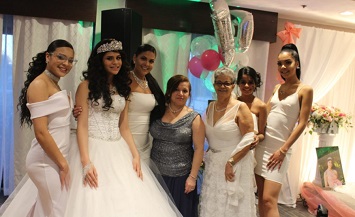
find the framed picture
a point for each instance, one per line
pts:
(329, 166)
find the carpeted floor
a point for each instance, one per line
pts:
(299, 211)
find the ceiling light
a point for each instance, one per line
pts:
(345, 13)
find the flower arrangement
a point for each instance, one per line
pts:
(322, 118)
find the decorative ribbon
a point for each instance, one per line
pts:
(286, 35)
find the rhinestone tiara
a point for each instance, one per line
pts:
(113, 45)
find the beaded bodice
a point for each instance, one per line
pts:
(103, 124)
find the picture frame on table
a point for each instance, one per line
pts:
(330, 167)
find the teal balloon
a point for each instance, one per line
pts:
(204, 74)
(208, 83)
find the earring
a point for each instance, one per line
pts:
(298, 67)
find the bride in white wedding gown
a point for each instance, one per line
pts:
(107, 176)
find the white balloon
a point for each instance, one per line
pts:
(199, 45)
(243, 59)
(223, 29)
(245, 23)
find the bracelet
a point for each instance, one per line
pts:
(194, 177)
(283, 152)
(86, 169)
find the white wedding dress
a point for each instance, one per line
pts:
(139, 109)
(120, 192)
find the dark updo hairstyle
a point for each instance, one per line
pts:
(97, 75)
(173, 84)
(292, 49)
(254, 75)
(154, 87)
(36, 67)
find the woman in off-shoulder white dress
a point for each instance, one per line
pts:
(48, 108)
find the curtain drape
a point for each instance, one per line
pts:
(173, 51)
(6, 105)
(328, 65)
(31, 36)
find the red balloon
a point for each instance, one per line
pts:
(210, 60)
(195, 67)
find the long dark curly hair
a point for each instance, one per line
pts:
(36, 67)
(159, 109)
(98, 80)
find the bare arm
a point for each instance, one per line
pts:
(36, 93)
(262, 122)
(198, 137)
(245, 122)
(261, 112)
(246, 125)
(127, 136)
(81, 96)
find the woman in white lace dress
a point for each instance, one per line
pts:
(228, 188)
(107, 176)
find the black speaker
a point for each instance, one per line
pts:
(125, 25)
(322, 211)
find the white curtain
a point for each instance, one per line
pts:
(31, 36)
(173, 51)
(328, 65)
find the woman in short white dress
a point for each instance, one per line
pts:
(290, 104)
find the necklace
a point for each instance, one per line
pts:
(175, 111)
(142, 83)
(51, 76)
(54, 79)
(219, 110)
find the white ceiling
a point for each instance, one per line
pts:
(326, 12)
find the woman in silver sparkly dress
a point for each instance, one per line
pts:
(178, 139)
